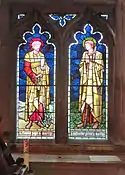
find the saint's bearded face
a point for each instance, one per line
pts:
(36, 45)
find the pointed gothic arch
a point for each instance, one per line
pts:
(61, 40)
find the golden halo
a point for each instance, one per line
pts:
(89, 39)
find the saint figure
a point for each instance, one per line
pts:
(91, 70)
(37, 84)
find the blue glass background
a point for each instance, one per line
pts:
(47, 50)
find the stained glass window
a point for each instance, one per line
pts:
(21, 16)
(105, 16)
(88, 86)
(62, 20)
(36, 85)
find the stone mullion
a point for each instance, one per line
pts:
(61, 93)
(5, 68)
(118, 72)
(122, 119)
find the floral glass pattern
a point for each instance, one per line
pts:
(62, 20)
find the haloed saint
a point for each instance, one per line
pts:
(37, 84)
(91, 70)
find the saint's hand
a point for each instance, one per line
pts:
(38, 79)
(39, 76)
(43, 67)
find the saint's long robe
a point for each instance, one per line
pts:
(37, 90)
(91, 80)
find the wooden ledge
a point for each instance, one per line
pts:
(70, 158)
(72, 148)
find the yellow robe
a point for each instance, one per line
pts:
(40, 92)
(91, 79)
